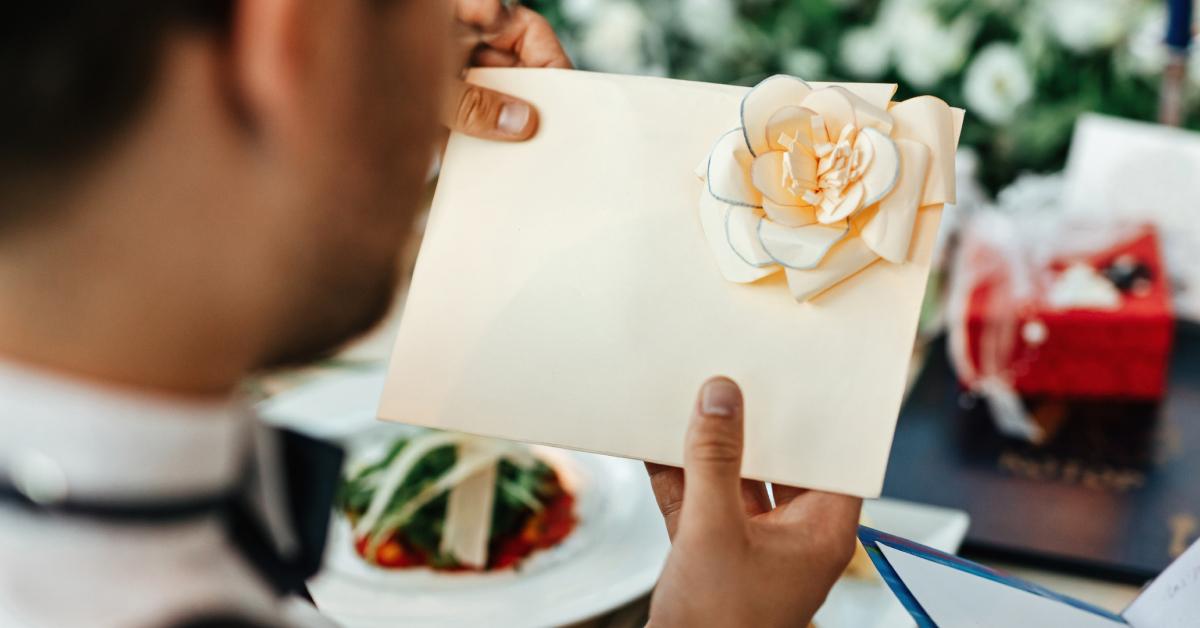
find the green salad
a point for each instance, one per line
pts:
(405, 513)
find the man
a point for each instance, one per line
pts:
(193, 190)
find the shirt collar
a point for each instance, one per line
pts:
(68, 438)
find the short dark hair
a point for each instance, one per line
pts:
(74, 73)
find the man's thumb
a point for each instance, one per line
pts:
(489, 114)
(713, 457)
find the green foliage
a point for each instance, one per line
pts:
(1035, 137)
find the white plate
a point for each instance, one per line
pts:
(869, 603)
(611, 558)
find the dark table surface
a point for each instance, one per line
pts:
(1115, 493)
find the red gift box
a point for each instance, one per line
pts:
(1082, 353)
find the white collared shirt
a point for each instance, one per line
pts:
(63, 438)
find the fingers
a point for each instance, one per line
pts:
(489, 114)
(494, 35)
(667, 483)
(526, 37)
(531, 38)
(713, 459)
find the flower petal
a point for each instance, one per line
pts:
(713, 219)
(887, 229)
(878, 94)
(799, 248)
(766, 173)
(741, 232)
(883, 167)
(933, 123)
(728, 177)
(769, 171)
(869, 116)
(835, 210)
(790, 215)
(834, 106)
(793, 122)
(847, 257)
(760, 103)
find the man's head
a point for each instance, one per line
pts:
(225, 178)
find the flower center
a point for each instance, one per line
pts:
(839, 165)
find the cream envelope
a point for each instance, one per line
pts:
(566, 294)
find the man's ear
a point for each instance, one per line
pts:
(267, 41)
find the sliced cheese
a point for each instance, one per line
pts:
(469, 517)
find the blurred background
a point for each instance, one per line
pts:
(1023, 69)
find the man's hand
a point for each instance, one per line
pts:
(494, 35)
(735, 560)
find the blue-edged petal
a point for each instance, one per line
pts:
(834, 211)
(882, 160)
(791, 124)
(866, 115)
(714, 216)
(741, 232)
(761, 102)
(887, 229)
(728, 176)
(845, 259)
(799, 248)
(834, 106)
(789, 215)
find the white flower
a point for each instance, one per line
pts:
(804, 62)
(580, 10)
(926, 50)
(997, 83)
(864, 52)
(894, 17)
(619, 39)
(1087, 25)
(708, 22)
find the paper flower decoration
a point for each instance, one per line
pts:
(821, 182)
